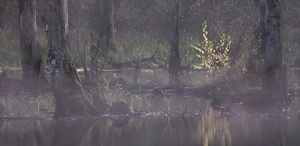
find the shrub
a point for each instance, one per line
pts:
(213, 55)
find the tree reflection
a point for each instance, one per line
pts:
(212, 129)
(215, 130)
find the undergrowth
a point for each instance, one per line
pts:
(24, 105)
(137, 103)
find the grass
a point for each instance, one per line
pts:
(137, 103)
(167, 101)
(24, 105)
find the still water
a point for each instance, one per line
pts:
(211, 129)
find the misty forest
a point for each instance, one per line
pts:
(149, 72)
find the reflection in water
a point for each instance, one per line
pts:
(210, 130)
(213, 130)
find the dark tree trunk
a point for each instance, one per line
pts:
(82, 55)
(98, 99)
(94, 57)
(259, 41)
(274, 72)
(174, 58)
(107, 41)
(65, 81)
(136, 71)
(31, 58)
(260, 26)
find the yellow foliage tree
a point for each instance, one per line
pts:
(213, 55)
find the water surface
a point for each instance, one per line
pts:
(212, 129)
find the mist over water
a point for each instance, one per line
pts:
(209, 130)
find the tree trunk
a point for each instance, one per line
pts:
(82, 56)
(260, 26)
(174, 58)
(135, 73)
(31, 58)
(99, 101)
(107, 41)
(274, 80)
(65, 81)
(259, 40)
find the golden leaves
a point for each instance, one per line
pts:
(213, 55)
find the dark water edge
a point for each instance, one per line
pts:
(213, 129)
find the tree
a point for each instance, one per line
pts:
(269, 35)
(31, 57)
(82, 54)
(107, 41)
(259, 41)
(65, 82)
(174, 58)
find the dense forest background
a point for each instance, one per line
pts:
(143, 26)
(228, 40)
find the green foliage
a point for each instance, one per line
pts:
(187, 53)
(9, 48)
(9, 5)
(143, 16)
(135, 47)
(142, 26)
(25, 105)
(213, 54)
